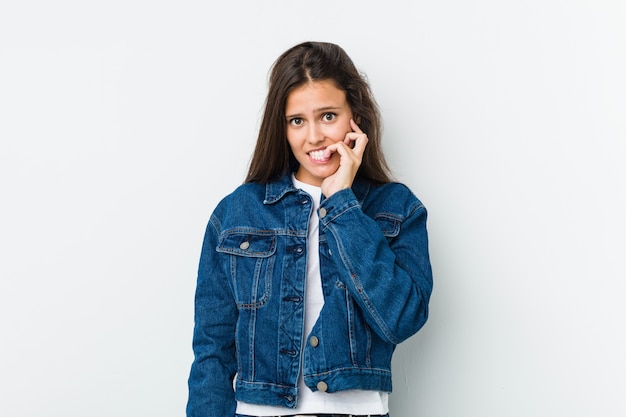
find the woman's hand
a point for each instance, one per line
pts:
(350, 151)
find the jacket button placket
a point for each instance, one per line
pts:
(293, 295)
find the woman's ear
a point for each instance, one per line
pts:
(356, 118)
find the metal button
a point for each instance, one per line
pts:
(322, 213)
(244, 245)
(322, 386)
(314, 341)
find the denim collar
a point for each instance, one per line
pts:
(276, 189)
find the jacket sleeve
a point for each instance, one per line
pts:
(390, 279)
(210, 382)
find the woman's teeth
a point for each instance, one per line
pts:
(319, 155)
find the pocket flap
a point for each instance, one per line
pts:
(247, 244)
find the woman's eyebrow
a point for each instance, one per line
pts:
(318, 110)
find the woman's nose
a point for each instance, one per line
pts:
(315, 134)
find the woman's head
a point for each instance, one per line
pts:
(302, 64)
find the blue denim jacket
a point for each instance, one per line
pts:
(249, 307)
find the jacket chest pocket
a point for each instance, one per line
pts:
(250, 262)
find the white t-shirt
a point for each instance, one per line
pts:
(309, 402)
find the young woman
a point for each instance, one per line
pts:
(317, 267)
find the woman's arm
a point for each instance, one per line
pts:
(391, 280)
(211, 379)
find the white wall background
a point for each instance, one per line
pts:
(122, 123)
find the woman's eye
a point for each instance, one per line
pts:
(329, 117)
(295, 121)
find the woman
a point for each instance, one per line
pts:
(317, 267)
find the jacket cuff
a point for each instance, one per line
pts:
(336, 205)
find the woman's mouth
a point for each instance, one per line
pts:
(320, 155)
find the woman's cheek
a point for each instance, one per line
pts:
(337, 133)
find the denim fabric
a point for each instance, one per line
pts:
(249, 306)
(319, 415)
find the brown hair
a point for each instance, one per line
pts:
(303, 63)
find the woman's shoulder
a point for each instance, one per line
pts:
(244, 194)
(249, 189)
(393, 197)
(238, 206)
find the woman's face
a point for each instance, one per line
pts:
(317, 115)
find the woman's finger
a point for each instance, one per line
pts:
(355, 127)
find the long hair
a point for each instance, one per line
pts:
(303, 63)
